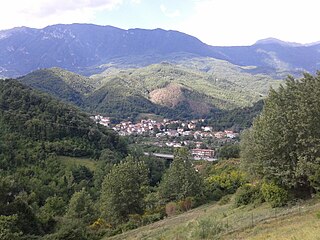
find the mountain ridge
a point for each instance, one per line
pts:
(84, 48)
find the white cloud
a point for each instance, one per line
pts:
(40, 13)
(234, 22)
(169, 13)
(136, 1)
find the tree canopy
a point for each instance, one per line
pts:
(123, 190)
(283, 145)
(181, 180)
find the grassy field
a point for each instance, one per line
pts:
(227, 222)
(69, 161)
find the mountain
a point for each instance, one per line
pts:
(89, 49)
(79, 46)
(188, 88)
(60, 83)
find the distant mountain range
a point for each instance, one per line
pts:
(89, 49)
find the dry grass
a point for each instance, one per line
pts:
(297, 226)
(226, 222)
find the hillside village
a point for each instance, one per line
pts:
(174, 134)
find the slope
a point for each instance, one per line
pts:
(214, 221)
(87, 48)
(33, 123)
(199, 86)
(60, 83)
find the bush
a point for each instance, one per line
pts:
(226, 182)
(208, 228)
(274, 194)
(150, 218)
(247, 194)
(224, 200)
(171, 209)
(186, 204)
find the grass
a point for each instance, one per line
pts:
(295, 226)
(214, 221)
(69, 161)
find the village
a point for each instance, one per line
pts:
(194, 134)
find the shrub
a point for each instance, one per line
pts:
(208, 229)
(171, 209)
(150, 218)
(247, 194)
(224, 200)
(274, 194)
(186, 204)
(228, 182)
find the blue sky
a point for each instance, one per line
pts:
(215, 22)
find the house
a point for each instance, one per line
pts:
(220, 135)
(198, 153)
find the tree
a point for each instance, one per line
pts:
(8, 229)
(123, 190)
(81, 207)
(283, 145)
(181, 180)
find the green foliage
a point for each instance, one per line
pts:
(126, 93)
(70, 229)
(283, 145)
(81, 207)
(225, 200)
(208, 228)
(123, 191)
(224, 183)
(65, 85)
(181, 180)
(8, 228)
(274, 194)
(229, 151)
(35, 184)
(33, 125)
(247, 194)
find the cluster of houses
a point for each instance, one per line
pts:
(171, 128)
(194, 130)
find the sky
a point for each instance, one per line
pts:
(215, 22)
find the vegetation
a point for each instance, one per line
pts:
(181, 180)
(123, 191)
(282, 147)
(179, 91)
(65, 177)
(62, 84)
(39, 194)
(214, 221)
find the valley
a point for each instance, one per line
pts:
(108, 133)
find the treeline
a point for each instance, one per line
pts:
(26, 116)
(281, 152)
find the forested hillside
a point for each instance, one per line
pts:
(198, 88)
(35, 186)
(64, 85)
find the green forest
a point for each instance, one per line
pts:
(42, 197)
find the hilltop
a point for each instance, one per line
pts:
(189, 88)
